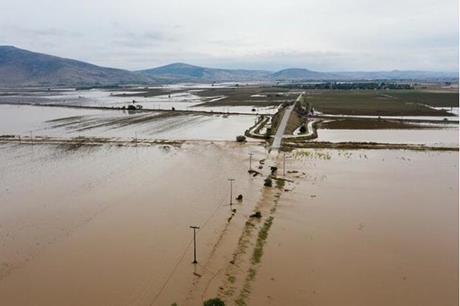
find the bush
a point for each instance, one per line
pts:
(268, 182)
(268, 133)
(240, 138)
(303, 129)
(214, 302)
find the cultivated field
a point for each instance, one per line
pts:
(381, 103)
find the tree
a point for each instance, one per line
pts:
(303, 129)
(214, 302)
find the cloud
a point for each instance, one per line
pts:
(270, 34)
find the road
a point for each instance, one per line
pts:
(282, 126)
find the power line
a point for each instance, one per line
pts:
(183, 255)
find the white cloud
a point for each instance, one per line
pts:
(269, 34)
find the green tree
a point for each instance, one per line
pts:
(214, 302)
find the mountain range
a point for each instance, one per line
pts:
(19, 67)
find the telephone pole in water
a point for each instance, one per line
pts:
(250, 161)
(231, 190)
(284, 163)
(194, 242)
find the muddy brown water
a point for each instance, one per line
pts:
(110, 226)
(364, 228)
(27, 120)
(429, 136)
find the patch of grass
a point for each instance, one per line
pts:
(261, 239)
(231, 279)
(312, 154)
(280, 184)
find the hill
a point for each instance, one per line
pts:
(20, 67)
(182, 72)
(299, 74)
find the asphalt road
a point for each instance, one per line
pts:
(282, 126)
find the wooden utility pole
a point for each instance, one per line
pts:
(194, 242)
(284, 163)
(231, 190)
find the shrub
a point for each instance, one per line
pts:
(268, 133)
(240, 138)
(214, 302)
(268, 182)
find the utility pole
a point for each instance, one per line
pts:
(284, 163)
(250, 160)
(231, 190)
(194, 243)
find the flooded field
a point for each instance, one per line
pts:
(364, 228)
(164, 98)
(111, 222)
(446, 137)
(110, 226)
(86, 222)
(28, 120)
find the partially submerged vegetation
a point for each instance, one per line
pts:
(366, 145)
(80, 141)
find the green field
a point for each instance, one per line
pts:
(384, 102)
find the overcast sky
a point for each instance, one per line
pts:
(325, 35)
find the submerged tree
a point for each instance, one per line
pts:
(214, 302)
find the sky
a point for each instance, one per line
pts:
(323, 35)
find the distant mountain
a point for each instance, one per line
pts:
(20, 67)
(298, 74)
(181, 72)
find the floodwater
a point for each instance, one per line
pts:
(452, 110)
(445, 137)
(364, 228)
(186, 99)
(28, 120)
(110, 225)
(454, 116)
